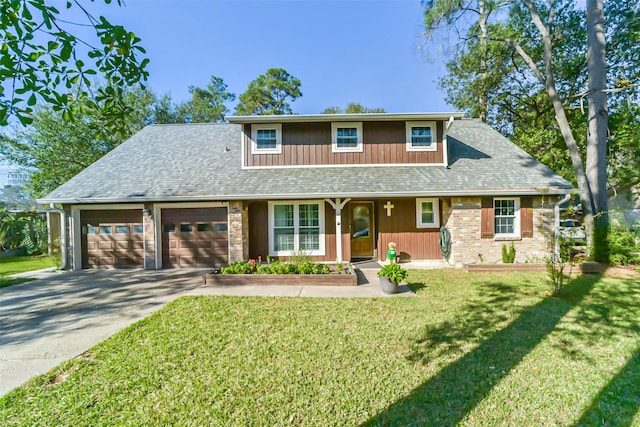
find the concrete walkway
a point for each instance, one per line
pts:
(62, 314)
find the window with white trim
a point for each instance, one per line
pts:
(427, 213)
(296, 228)
(506, 217)
(346, 137)
(421, 136)
(266, 139)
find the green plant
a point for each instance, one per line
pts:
(394, 272)
(556, 263)
(508, 254)
(623, 248)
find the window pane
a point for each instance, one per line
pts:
(91, 229)
(504, 213)
(283, 215)
(220, 227)
(421, 136)
(309, 239)
(266, 139)
(347, 137)
(169, 228)
(309, 215)
(186, 228)
(106, 229)
(504, 225)
(138, 229)
(204, 227)
(283, 239)
(427, 213)
(122, 229)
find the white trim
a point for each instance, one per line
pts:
(436, 213)
(321, 238)
(77, 230)
(334, 137)
(254, 138)
(338, 205)
(344, 117)
(434, 135)
(516, 219)
(445, 142)
(157, 216)
(359, 165)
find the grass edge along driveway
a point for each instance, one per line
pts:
(470, 350)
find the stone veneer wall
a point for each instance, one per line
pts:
(461, 215)
(149, 225)
(238, 231)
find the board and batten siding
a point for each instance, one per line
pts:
(412, 243)
(307, 144)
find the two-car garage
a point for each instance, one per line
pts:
(190, 237)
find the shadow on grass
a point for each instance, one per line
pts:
(447, 397)
(618, 402)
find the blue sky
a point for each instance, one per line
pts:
(370, 52)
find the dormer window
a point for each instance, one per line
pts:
(266, 139)
(421, 136)
(346, 137)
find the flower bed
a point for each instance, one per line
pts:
(279, 273)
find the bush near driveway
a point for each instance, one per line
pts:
(472, 349)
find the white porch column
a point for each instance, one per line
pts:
(338, 205)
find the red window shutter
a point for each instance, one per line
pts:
(526, 217)
(486, 218)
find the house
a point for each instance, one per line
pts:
(332, 187)
(624, 206)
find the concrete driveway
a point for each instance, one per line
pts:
(53, 319)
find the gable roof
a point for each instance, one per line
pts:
(197, 162)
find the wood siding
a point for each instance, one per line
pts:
(305, 144)
(400, 227)
(412, 243)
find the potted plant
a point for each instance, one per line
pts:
(390, 276)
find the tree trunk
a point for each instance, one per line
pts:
(548, 81)
(483, 100)
(598, 122)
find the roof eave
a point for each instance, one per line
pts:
(344, 117)
(300, 196)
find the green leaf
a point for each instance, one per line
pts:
(32, 100)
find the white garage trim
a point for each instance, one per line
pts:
(76, 232)
(157, 221)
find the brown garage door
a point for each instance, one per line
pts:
(194, 237)
(112, 239)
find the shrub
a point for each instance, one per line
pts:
(24, 230)
(508, 254)
(623, 248)
(275, 267)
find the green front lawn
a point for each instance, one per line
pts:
(22, 264)
(471, 349)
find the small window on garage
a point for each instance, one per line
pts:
(186, 228)
(122, 229)
(138, 229)
(106, 229)
(220, 227)
(204, 227)
(169, 228)
(91, 229)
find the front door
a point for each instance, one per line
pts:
(362, 232)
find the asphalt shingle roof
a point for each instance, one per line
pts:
(202, 162)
